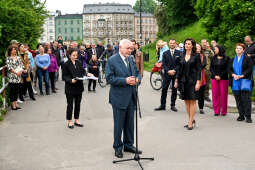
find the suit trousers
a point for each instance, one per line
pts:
(94, 84)
(207, 86)
(165, 86)
(76, 100)
(220, 96)
(123, 121)
(201, 97)
(14, 91)
(27, 86)
(52, 80)
(243, 102)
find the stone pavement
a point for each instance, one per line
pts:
(37, 137)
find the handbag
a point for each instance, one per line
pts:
(24, 75)
(245, 85)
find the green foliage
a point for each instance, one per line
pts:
(148, 6)
(174, 14)
(21, 20)
(227, 20)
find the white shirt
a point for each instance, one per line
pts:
(123, 58)
(172, 51)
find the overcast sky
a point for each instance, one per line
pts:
(75, 6)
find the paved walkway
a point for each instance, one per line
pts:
(37, 137)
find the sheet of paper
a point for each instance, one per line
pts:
(87, 78)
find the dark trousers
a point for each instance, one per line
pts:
(76, 100)
(243, 102)
(201, 97)
(94, 84)
(21, 91)
(123, 121)
(14, 91)
(165, 86)
(27, 86)
(207, 86)
(43, 75)
(52, 80)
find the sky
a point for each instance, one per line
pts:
(76, 6)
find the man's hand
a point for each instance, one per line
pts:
(249, 55)
(236, 77)
(197, 87)
(94, 66)
(131, 81)
(171, 72)
(74, 81)
(90, 75)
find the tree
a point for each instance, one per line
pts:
(148, 6)
(227, 20)
(175, 14)
(21, 20)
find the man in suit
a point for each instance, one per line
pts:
(122, 75)
(169, 63)
(99, 49)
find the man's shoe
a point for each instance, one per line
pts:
(248, 120)
(173, 108)
(132, 150)
(19, 101)
(160, 108)
(207, 99)
(240, 118)
(118, 153)
(33, 98)
(202, 111)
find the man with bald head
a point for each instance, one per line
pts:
(250, 48)
(122, 75)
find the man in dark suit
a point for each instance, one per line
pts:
(99, 49)
(169, 63)
(122, 75)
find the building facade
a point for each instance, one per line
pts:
(108, 22)
(149, 28)
(48, 34)
(69, 26)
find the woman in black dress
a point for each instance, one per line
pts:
(188, 79)
(73, 87)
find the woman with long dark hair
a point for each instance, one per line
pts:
(188, 79)
(219, 81)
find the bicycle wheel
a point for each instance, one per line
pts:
(101, 77)
(156, 80)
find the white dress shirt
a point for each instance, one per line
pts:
(123, 58)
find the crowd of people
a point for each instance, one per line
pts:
(192, 67)
(29, 69)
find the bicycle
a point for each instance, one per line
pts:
(156, 78)
(101, 76)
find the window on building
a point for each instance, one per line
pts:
(65, 37)
(71, 22)
(59, 30)
(51, 18)
(72, 38)
(71, 30)
(51, 38)
(78, 29)
(59, 22)
(65, 30)
(78, 37)
(51, 31)
(87, 17)
(78, 21)
(51, 23)
(65, 22)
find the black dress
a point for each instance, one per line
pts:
(188, 73)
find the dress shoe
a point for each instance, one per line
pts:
(118, 153)
(248, 120)
(14, 108)
(173, 108)
(41, 93)
(202, 111)
(32, 98)
(18, 108)
(132, 150)
(70, 126)
(190, 128)
(78, 124)
(54, 91)
(240, 118)
(208, 99)
(160, 108)
(47, 93)
(216, 114)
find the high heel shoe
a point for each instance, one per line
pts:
(193, 124)
(190, 128)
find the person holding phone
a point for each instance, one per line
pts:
(73, 88)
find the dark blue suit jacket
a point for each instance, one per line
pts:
(121, 94)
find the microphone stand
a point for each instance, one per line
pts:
(136, 157)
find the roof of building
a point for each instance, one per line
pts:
(70, 16)
(137, 14)
(108, 8)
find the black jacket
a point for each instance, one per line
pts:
(246, 69)
(219, 70)
(57, 54)
(71, 71)
(89, 52)
(99, 50)
(250, 50)
(94, 71)
(170, 62)
(189, 73)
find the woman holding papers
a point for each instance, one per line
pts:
(73, 88)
